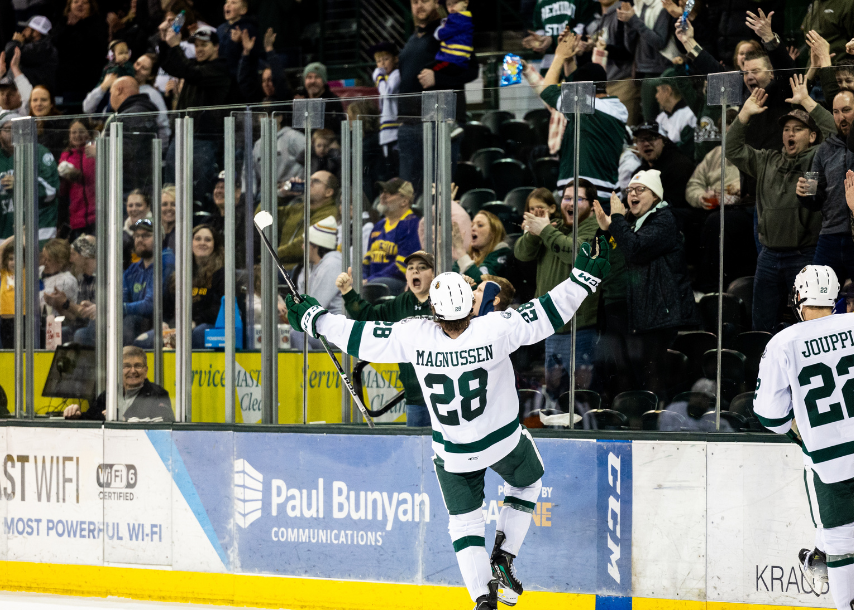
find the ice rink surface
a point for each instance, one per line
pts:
(41, 601)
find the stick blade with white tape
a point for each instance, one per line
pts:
(263, 219)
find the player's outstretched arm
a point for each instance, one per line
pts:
(373, 341)
(542, 317)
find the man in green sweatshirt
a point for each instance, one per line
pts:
(412, 302)
(48, 181)
(788, 231)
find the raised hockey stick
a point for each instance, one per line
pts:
(262, 221)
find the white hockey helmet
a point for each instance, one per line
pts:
(451, 296)
(815, 286)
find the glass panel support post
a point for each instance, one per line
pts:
(156, 193)
(25, 200)
(724, 89)
(269, 284)
(230, 292)
(438, 109)
(348, 225)
(575, 99)
(115, 334)
(183, 268)
(308, 115)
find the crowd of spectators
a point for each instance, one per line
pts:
(649, 162)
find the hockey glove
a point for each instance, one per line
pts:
(304, 314)
(592, 264)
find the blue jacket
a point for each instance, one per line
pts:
(456, 35)
(138, 286)
(390, 244)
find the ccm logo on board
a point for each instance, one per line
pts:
(116, 476)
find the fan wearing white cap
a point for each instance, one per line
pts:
(39, 58)
(463, 365)
(324, 266)
(804, 390)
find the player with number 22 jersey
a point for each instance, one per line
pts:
(806, 390)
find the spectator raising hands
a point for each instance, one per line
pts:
(269, 40)
(849, 190)
(761, 24)
(625, 11)
(800, 93)
(754, 105)
(537, 43)
(673, 9)
(820, 55)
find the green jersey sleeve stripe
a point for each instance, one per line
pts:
(355, 339)
(487, 441)
(467, 541)
(519, 504)
(551, 312)
(770, 422)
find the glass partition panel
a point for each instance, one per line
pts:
(677, 306)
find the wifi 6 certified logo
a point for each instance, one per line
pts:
(119, 477)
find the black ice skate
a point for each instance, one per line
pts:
(490, 600)
(510, 588)
(814, 568)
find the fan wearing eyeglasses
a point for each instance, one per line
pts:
(143, 401)
(659, 296)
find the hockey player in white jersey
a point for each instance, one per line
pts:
(465, 372)
(806, 390)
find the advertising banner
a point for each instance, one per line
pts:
(336, 506)
(136, 492)
(51, 501)
(672, 520)
(758, 521)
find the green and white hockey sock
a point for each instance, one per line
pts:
(839, 546)
(841, 584)
(515, 516)
(467, 533)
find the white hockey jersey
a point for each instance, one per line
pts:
(468, 382)
(807, 373)
(388, 86)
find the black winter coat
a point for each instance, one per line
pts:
(82, 49)
(139, 119)
(726, 17)
(151, 402)
(39, 61)
(659, 294)
(206, 83)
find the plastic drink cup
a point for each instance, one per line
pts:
(812, 182)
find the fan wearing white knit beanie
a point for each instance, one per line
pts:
(644, 193)
(324, 266)
(659, 298)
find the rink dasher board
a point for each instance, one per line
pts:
(717, 522)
